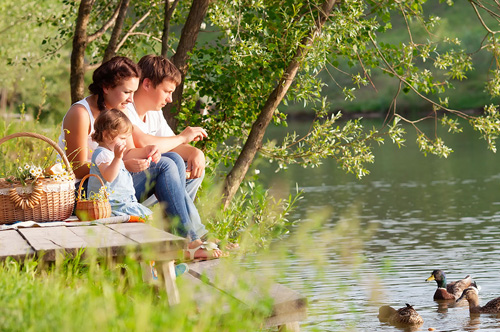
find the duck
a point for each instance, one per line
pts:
(403, 317)
(471, 294)
(451, 291)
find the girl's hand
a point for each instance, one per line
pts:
(119, 150)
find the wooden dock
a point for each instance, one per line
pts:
(289, 307)
(116, 239)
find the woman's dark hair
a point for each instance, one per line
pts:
(114, 122)
(110, 74)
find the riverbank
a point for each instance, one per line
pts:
(306, 115)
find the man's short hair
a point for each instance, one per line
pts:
(157, 69)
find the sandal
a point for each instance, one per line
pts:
(208, 246)
(228, 246)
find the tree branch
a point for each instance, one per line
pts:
(105, 27)
(132, 28)
(392, 71)
(481, 19)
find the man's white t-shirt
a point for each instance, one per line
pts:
(154, 122)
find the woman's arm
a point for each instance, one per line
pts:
(76, 126)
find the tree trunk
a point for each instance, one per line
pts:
(254, 141)
(187, 42)
(117, 30)
(78, 52)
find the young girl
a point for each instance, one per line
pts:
(111, 130)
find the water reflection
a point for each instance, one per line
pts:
(414, 214)
(443, 305)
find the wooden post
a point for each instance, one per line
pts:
(168, 269)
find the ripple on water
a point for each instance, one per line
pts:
(436, 217)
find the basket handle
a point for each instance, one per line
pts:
(83, 180)
(45, 139)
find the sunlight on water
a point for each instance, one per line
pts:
(426, 213)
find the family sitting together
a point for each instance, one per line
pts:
(120, 134)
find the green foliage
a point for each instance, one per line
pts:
(488, 126)
(25, 150)
(244, 50)
(256, 40)
(28, 75)
(92, 295)
(255, 216)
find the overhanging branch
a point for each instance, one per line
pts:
(105, 27)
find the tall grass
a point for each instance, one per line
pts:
(109, 297)
(87, 293)
(20, 151)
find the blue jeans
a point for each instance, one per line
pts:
(166, 179)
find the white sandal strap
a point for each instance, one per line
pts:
(208, 246)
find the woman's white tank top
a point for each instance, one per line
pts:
(91, 144)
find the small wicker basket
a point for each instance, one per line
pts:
(42, 200)
(87, 210)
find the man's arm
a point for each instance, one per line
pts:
(166, 144)
(195, 159)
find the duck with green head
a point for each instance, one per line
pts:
(448, 291)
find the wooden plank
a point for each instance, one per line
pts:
(47, 240)
(13, 245)
(287, 300)
(106, 240)
(155, 244)
(144, 233)
(288, 305)
(203, 294)
(290, 327)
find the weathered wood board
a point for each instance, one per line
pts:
(12, 244)
(48, 241)
(106, 240)
(152, 241)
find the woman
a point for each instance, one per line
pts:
(113, 86)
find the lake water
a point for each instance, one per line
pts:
(374, 241)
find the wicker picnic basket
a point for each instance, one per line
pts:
(45, 199)
(87, 210)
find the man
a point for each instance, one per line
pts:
(159, 79)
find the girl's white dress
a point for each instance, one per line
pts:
(121, 191)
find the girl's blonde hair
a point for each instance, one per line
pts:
(114, 122)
